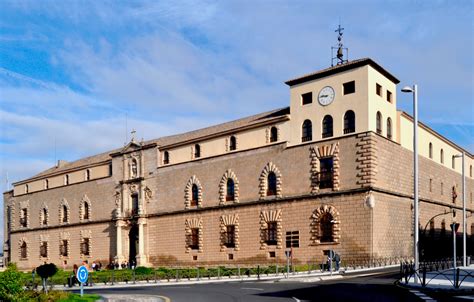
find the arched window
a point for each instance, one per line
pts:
(166, 158)
(23, 250)
(453, 162)
(46, 184)
(195, 195)
(470, 170)
(430, 151)
(273, 134)
(44, 217)
(307, 131)
(271, 184)
(326, 228)
(27, 188)
(441, 156)
(327, 126)
(197, 151)
(230, 196)
(134, 168)
(389, 128)
(232, 143)
(379, 122)
(88, 174)
(86, 211)
(65, 214)
(66, 179)
(349, 122)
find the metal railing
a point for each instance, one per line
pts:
(435, 270)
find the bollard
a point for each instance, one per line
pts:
(113, 277)
(177, 275)
(258, 272)
(456, 279)
(218, 272)
(238, 270)
(155, 276)
(133, 276)
(198, 274)
(423, 282)
(276, 270)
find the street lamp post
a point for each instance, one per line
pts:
(464, 259)
(414, 91)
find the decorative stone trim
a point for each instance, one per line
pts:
(61, 212)
(227, 220)
(42, 214)
(20, 243)
(64, 236)
(11, 206)
(223, 187)
(193, 223)
(86, 234)
(148, 194)
(265, 218)
(263, 179)
(316, 153)
(85, 200)
(25, 205)
(44, 238)
(268, 132)
(366, 159)
(315, 223)
(188, 192)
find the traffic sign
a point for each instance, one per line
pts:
(82, 274)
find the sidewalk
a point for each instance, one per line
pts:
(314, 276)
(445, 279)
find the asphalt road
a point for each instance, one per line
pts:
(379, 287)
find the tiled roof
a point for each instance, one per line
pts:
(339, 68)
(171, 140)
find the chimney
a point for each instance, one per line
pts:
(61, 163)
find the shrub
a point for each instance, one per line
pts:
(141, 270)
(11, 285)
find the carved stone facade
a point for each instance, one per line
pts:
(229, 174)
(316, 223)
(265, 218)
(194, 223)
(317, 153)
(263, 186)
(188, 194)
(366, 150)
(229, 220)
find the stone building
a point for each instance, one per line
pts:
(333, 171)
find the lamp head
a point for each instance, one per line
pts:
(407, 89)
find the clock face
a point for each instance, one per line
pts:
(326, 96)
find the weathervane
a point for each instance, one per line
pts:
(339, 49)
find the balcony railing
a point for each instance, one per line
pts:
(327, 134)
(306, 138)
(349, 130)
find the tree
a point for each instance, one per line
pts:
(11, 284)
(45, 271)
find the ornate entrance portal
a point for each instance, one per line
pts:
(133, 245)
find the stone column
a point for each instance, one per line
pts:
(141, 257)
(119, 258)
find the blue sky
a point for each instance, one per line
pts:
(71, 71)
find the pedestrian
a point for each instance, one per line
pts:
(94, 266)
(329, 261)
(337, 258)
(74, 272)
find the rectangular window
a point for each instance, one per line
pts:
(326, 173)
(378, 89)
(24, 218)
(44, 249)
(63, 248)
(272, 233)
(85, 246)
(194, 239)
(389, 96)
(135, 204)
(349, 87)
(292, 239)
(307, 98)
(230, 236)
(272, 254)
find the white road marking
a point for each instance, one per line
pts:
(296, 299)
(252, 288)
